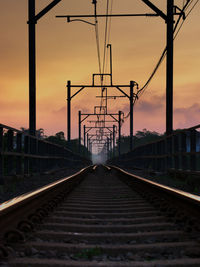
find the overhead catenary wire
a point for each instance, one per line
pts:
(108, 38)
(186, 17)
(97, 35)
(98, 45)
(106, 35)
(165, 49)
(145, 86)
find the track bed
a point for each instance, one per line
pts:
(103, 222)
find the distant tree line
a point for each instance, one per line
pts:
(140, 138)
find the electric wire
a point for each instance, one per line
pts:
(106, 34)
(98, 45)
(97, 36)
(165, 50)
(185, 17)
(108, 38)
(143, 89)
(104, 59)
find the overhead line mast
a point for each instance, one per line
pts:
(32, 21)
(169, 20)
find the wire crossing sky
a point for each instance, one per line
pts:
(67, 51)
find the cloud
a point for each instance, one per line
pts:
(62, 111)
(59, 111)
(187, 117)
(151, 105)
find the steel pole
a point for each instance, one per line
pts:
(32, 67)
(113, 141)
(91, 147)
(169, 80)
(110, 46)
(69, 111)
(131, 114)
(84, 134)
(119, 137)
(87, 144)
(107, 143)
(79, 131)
(111, 148)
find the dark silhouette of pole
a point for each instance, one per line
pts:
(69, 111)
(113, 141)
(88, 144)
(79, 131)
(131, 114)
(110, 46)
(169, 19)
(32, 67)
(84, 135)
(107, 144)
(84, 139)
(119, 137)
(111, 148)
(169, 81)
(32, 21)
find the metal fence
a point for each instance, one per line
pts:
(23, 154)
(179, 151)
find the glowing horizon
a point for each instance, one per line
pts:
(68, 52)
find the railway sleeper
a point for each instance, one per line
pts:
(118, 235)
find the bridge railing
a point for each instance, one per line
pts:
(23, 154)
(180, 151)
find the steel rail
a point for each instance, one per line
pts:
(35, 203)
(190, 202)
(84, 212)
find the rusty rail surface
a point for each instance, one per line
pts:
(23, 154)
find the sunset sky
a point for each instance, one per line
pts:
(67, 51)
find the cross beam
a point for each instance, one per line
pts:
(154, 8)
(105, 15)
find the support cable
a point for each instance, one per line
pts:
(97, 34)
(109, 30)
(106, 34)
(186, 6)
(165, 50)
(186, 17)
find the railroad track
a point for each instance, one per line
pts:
(101, 217)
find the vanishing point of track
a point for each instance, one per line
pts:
(101, 217)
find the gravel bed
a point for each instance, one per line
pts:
(97, 254)
(16, 186)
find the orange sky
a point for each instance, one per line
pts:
(68, 52)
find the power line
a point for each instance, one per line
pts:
(98, 46)
(108, 38)
(188, 3)
(106, 33)
(97, 34)
(185, 7)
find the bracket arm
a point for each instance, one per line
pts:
(44, 11)
(156, 9)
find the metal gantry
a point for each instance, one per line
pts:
(131, 96)
(116, 118)
(33, 18)
(169, 20)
